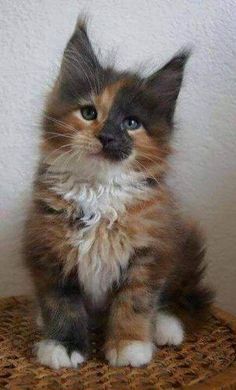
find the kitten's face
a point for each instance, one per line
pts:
(100, 115)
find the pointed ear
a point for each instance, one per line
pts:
(165, 84)
(80, 67)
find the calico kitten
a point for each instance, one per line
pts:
(105, 242)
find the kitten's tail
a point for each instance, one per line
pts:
(185, 295)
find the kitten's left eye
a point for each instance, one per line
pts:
(130, 123)
(89, 113)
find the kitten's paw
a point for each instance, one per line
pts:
(169, 330)
(134, 353)
(53, 354)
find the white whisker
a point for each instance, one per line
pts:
(61, 123)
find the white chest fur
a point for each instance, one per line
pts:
(104, 247)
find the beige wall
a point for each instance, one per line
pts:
(33, 34)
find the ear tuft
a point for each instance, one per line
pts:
(165, 84)
(80, 69)
(81, 23)
(80, 34)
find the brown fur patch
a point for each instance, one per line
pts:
(132, 246)
(69, 123)
(150, 156)
(105, 100)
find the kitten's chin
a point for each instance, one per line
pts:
(110, 158)
(115, 158)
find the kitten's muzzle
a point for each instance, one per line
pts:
(115, 147)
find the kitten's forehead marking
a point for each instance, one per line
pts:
(105, 100)
(103, 104)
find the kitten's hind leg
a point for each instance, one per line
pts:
(184, 292)
(169, 329)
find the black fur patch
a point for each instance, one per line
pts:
(117, 144)
(66, 318)
(151, 182)
(151, 100)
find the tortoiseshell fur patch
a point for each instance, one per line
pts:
(105, 241)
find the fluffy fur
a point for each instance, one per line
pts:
(54, 355)
(169, 330)
(105, 242)
(136, 353)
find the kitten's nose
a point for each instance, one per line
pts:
(116, 145)
(106, 139)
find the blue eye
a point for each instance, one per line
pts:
(130, 123)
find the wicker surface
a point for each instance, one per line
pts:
(208, 357)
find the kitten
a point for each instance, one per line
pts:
(105, 242)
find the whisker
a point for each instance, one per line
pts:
(74, 155)
(53, 163)
(152, 158)
(64, 166)
(146, 146)
(61, 123)
(55, 151)
(55, 135)
(145, 170)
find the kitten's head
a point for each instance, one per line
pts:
(100, 117)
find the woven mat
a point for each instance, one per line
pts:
(201, 357)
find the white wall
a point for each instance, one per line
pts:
(33, 35)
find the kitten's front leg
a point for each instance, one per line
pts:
(65, 329)
(130, 328)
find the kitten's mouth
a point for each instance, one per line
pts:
(112, 157)
(115, 155)
(114, 151)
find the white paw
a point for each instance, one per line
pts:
(53, 354)
(135, 354)
(169, 330)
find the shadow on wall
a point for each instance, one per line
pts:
(221, 239)
(15, 279)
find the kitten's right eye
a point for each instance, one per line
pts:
(89, 113)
